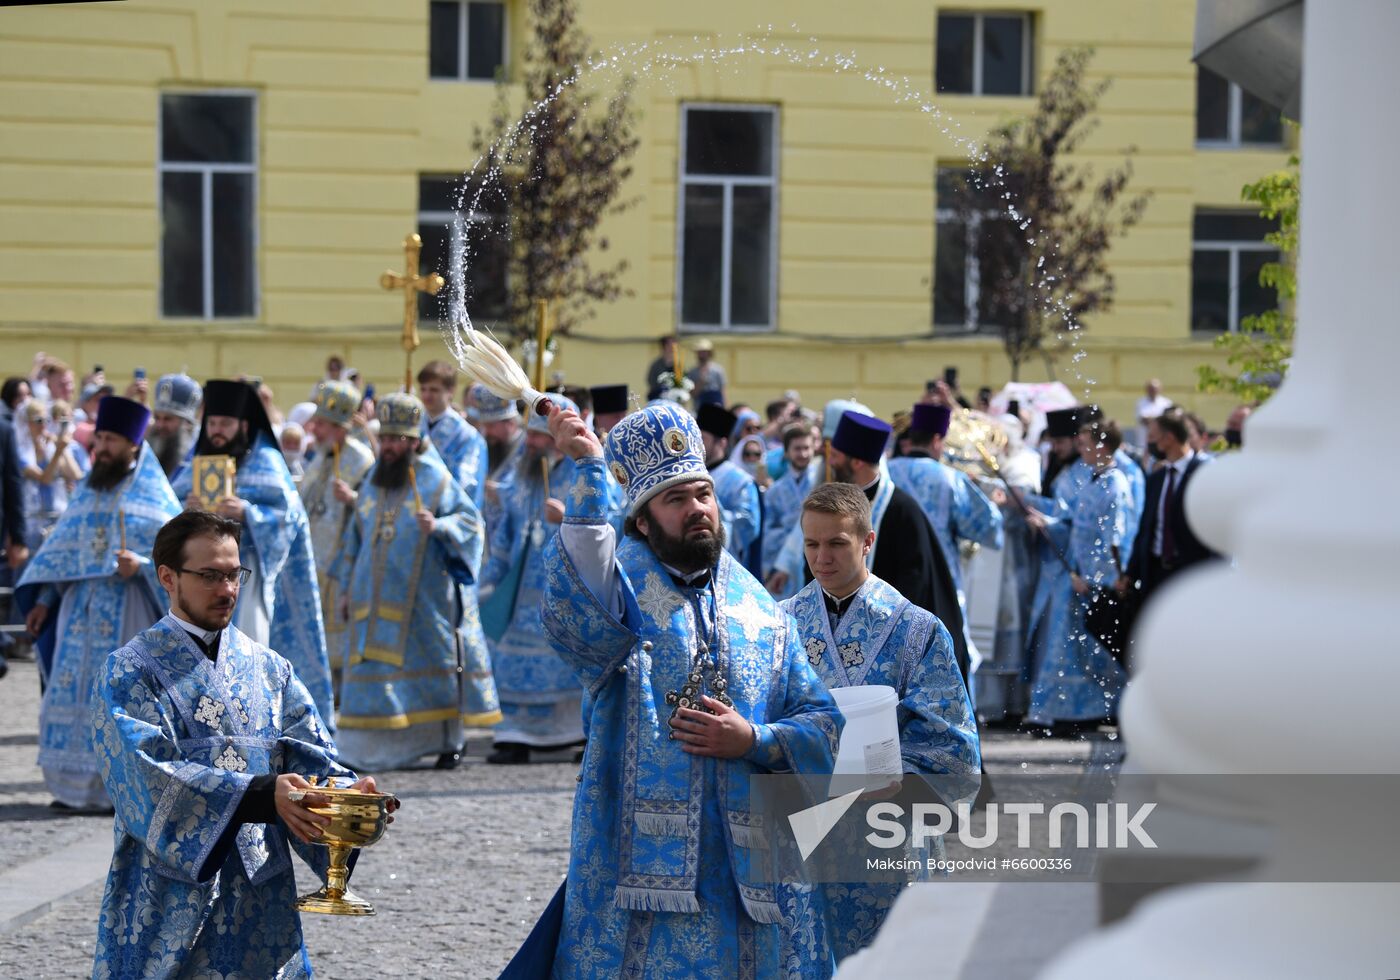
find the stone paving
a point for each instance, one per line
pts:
(458, 881)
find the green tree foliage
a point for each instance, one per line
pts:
(1258, 355)
(1045, 221)
(559, 166)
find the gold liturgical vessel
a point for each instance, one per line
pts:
(358, 819)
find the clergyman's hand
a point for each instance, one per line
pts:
(365, 784)
(34, 622)
(426, 521)
(777, 582)
(16, 555)
(304, 824)
(234, 508)
(554, 511)
(726, 734)
(571, 436)
(128, 564)
(343, 492)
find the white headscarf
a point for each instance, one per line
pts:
(737, 456)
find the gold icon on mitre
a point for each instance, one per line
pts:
(213, 479)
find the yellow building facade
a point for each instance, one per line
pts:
(345, 118)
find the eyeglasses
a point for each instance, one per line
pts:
(213, 577)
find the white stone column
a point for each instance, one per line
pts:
(1291, 661)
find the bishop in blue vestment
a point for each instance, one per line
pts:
(694, 681)
(91, 583)
(419, 670)
(540, 694)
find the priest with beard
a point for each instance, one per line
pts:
(174, 417)
(281, 605)
(696, 682)
(540, 696)
(735, 490)
(90, 588)
(499, 421)
(906, 553)
(419, 671)
(328, 489)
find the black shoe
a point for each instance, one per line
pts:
(82, 811)
(509, 754)
(448, 760)
(4, 667)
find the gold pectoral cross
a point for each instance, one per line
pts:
(412, 284)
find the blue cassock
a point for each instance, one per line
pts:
(1046, 633)
(658, 880)
(539, 693)
(1077, 679)
(277, 546)
(883, 638)
(782, 510)
(180, 740)
(738, 507)
(413, 614)
(92, 611)
(463, 452)
(1137, 483)
(953, 504)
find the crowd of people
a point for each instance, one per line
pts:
(631, 582)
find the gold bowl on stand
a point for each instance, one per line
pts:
(358, 819)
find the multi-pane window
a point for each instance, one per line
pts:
(728, 216)
(208, 205)
(984, 54)
(1227, 253)
(970, 243)
(1227, 115)
(486, 244)
(466, 39)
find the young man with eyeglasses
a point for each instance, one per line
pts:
(90, 588)
(202, 735)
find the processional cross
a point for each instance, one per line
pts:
(412, 284)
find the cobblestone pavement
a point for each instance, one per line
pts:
(458, 881)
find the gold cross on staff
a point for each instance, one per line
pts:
(412, 284)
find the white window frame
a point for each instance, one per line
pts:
(462, 7)
(1235, 124)
(727, 222)
(1234, 249)
(207, 172)
(978, 37)
(448, 218)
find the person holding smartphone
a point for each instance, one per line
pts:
(139, 390)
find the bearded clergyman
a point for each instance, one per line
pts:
(281, 605)
(174, 420)
(91, 587)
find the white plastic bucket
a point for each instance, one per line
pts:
(867, 757)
